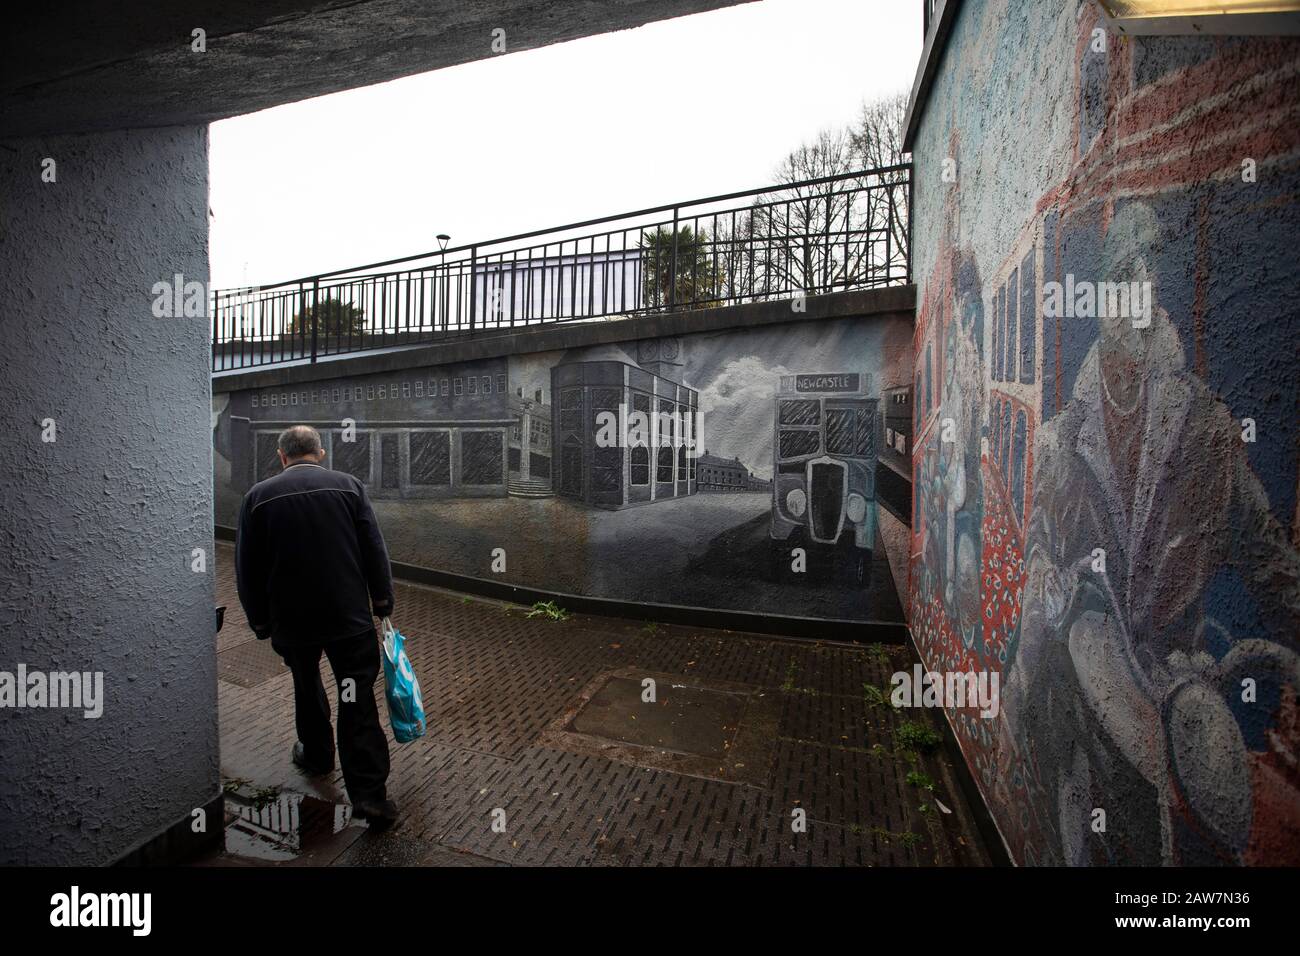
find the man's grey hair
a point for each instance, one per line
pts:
(299, 441)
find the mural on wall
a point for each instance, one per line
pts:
(736, 470)
(1089, 521)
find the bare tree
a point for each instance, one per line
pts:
(877, 142)
(877, 137)
(840, 234)
(801, 224)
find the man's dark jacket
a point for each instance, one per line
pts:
(310, 561)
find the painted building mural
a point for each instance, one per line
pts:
(682, 470)
(1106, 475)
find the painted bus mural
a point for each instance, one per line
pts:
(824, 467)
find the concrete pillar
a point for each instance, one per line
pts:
(99, 526)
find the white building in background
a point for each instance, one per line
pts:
(571, 286)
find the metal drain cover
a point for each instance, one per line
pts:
(685, 720)
(714, 729)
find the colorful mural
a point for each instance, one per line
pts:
(733, 470)
(1095, 518)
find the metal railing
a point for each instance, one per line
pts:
(830, 234)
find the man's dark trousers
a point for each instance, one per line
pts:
(362, 746)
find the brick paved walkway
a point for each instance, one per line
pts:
(501, 692)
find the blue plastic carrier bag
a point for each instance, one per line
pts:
(405, 706)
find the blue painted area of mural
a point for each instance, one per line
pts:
(1051, 343)
(1080, 252)
(1253, 366)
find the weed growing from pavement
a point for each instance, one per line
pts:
(259, 797)
(265, 795)
(908, 838)
(789, 686)
(919, 778)
(549, 610)
(878, 654)
(875, 697)
(912, 735)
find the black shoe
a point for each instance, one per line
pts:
(381, 814)
(300, 760)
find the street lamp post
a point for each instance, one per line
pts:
(443, 239)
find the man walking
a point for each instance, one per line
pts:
(311, 564)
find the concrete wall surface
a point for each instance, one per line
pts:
(106, 470)
(1106, 509)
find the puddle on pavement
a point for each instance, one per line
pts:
(284, 828)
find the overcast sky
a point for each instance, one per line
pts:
(671, 111)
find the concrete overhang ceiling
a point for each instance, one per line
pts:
(93, 65)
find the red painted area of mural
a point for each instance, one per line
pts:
(1003, 561)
